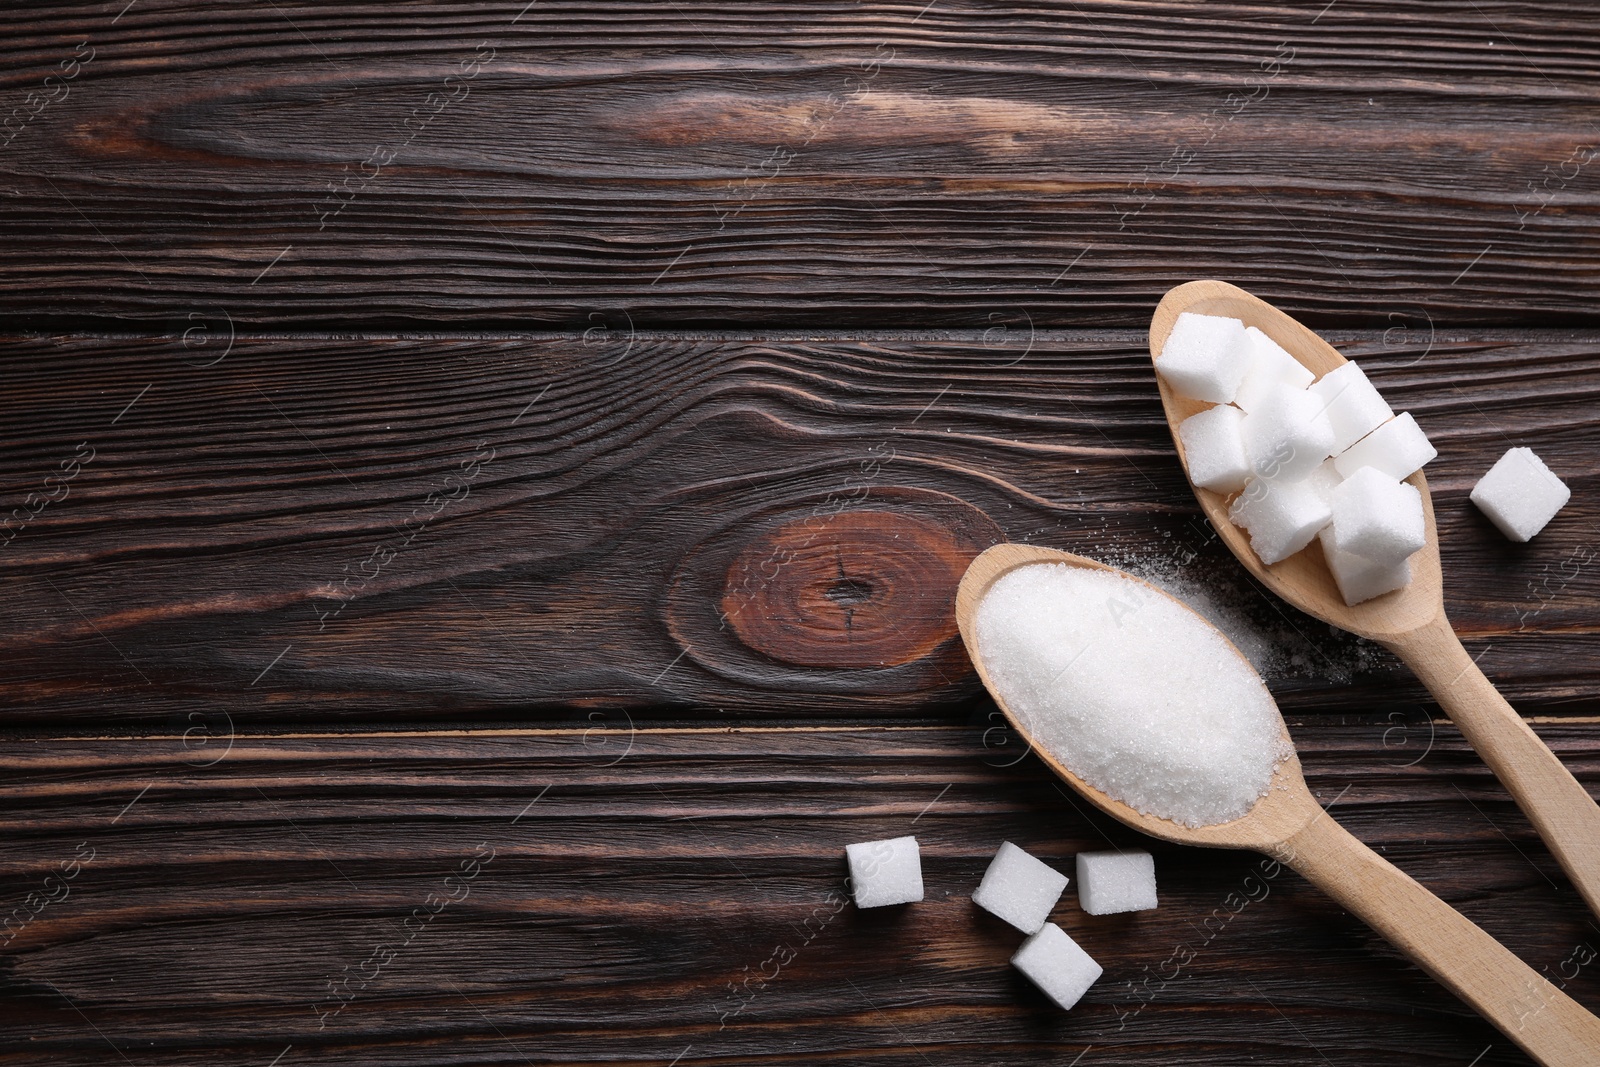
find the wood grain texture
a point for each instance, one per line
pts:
(826, 165)
(682, 895)
(1527, 1007)
(252, 486)
(255, 538)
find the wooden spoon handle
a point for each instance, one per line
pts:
(1548, 1025)
(1563, 812)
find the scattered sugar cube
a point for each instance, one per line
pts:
(1282, 517)
(1057, 965)
(1378, 517)
(1267, 365)
(1355, 407)
(1359, 578)
(1019, 888)
(885, 872)
(1204, 357)
(1287, 436)
(1213, 447)
(1111, 882)
(1520, 494)
(1398, 448)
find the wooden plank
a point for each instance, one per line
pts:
(829, 164)
(683, 896)
(544, 528)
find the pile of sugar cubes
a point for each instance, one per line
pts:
(1324, 458)
(1022, 890)
(1308, 458)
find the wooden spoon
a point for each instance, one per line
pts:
(1409, 622)
(1290, 826)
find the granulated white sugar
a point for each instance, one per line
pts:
(1281, 646)
(1131, 691)
(1227, 601)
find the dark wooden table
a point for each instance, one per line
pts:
(487, 483)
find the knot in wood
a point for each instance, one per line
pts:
(858, 589)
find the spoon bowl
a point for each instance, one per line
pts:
(1411, 621)
(1303, 579)
(1288, 805)
(1288, 825)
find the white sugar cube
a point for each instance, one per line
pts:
(1055, 963)
(1267, 365)
(1213, 448)
(1282, 517)
(1359, 578)
(885, 872)
(1203, 357)
(1287, 436)
(1324, 480)
(1378, 517)
(1520, 494)
(1355, 407)
(1019, 888)
(1111, 882)
(1398, 448)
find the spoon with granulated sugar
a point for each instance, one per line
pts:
(1410, 622)
(1146, 709)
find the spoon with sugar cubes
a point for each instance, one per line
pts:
(1145, 708)
(1317, 486)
